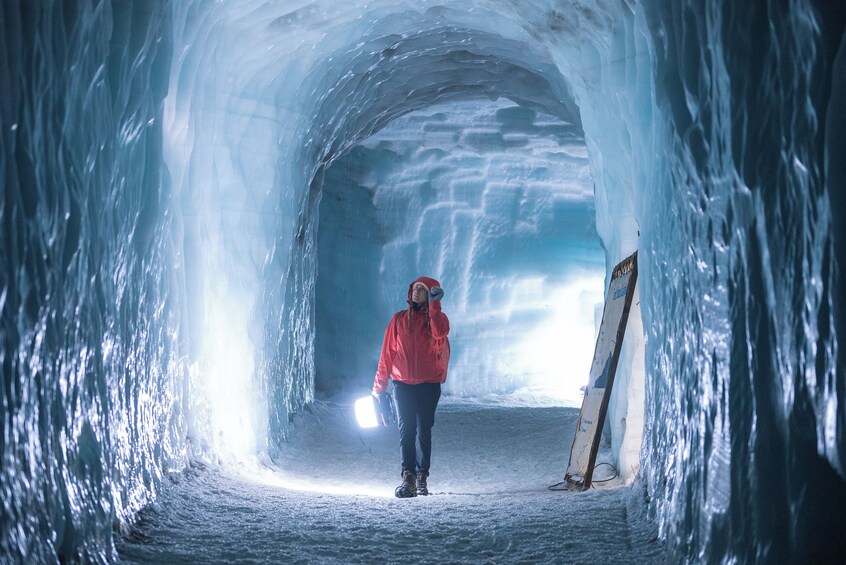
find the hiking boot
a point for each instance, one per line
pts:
(408, 488)
(422, 489)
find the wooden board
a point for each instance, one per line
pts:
(615, 315)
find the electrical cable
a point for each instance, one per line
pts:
(616, 474)
(557, 486)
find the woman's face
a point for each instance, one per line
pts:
(419, 293)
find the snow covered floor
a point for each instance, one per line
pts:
(334, 503)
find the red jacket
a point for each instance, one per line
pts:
(420, 356)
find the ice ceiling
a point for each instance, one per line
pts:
(163, 167)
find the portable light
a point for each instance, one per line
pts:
(374, 410)
(365, 412)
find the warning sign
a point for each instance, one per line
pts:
(618, 302)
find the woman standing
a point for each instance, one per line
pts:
(415, 354)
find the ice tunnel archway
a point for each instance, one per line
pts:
(399, 74)
(270, 145)
(155, 313)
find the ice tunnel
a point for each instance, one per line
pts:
(209, 209)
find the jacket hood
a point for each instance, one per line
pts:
(428, 281)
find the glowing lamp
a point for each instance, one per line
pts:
(365, 412)
(372, 411)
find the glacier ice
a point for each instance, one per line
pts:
(163, 166)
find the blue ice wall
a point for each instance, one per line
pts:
(91, 350)
(726, 174)
(739, 248)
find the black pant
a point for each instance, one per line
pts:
(416, 413)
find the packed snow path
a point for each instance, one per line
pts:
(333, 502)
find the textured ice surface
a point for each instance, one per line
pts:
(332, 501)
(746, 404)
(151, 314)
(91, 325)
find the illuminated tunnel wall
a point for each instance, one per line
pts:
(162, 169)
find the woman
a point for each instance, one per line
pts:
(415, 354)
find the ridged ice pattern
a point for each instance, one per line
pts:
(91, 328)
(746, 407)
(496, 202)
(154, 311)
